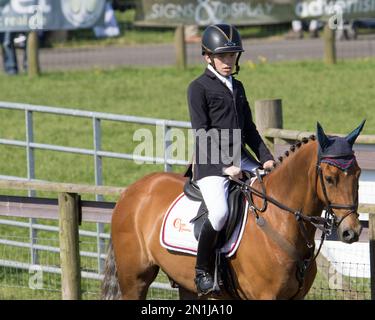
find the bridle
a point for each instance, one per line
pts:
(325, 225)
(329, 206)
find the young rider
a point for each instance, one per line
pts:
(219, 108)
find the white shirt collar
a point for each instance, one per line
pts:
(226, 80)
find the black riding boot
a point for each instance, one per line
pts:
(206, 248)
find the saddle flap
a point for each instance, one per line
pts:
(236, 205)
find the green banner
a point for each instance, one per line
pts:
(26, 15)
(250, 12)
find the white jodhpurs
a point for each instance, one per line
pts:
(215, 194)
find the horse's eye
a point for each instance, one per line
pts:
(329, 179)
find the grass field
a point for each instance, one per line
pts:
(310, 91)
(338, 96)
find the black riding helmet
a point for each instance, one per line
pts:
(221, 38)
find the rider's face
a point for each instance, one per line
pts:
(224, 62)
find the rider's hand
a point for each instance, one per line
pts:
(234, 172)
(268, 165)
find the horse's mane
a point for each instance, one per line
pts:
(293, 148)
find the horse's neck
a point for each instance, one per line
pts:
(278, 243)
(293, 183)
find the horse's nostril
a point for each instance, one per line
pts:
(346, 234)
(349, 236)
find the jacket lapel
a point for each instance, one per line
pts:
(222, 85)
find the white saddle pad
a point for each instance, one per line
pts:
(177, 233)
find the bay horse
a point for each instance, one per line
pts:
(275, 258)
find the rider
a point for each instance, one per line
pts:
(218, 105)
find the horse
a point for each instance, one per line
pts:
(275, 258)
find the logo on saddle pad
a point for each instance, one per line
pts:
(181, 226)
(177, 231)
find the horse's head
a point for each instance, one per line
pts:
(338, 175)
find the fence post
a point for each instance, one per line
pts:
(268, 114)
(180, 47)
(329, 45)
(371, 238)
(69, 246)
(33, 54)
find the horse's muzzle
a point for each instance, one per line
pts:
(350, 235)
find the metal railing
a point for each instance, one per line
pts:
(96, 152)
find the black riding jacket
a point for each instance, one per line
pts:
(213, 106)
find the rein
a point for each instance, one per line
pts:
(323, 224)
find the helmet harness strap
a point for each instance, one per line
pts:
(237, 64)
(212, 62)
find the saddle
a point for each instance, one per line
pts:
(236, 205)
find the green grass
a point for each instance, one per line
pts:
(354, 288)
(15, 285)
(338, 96)
(310, 91)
